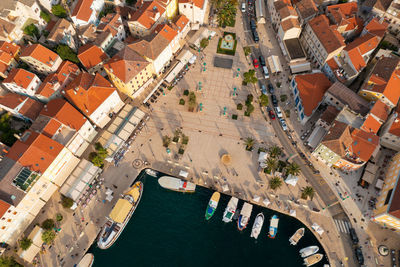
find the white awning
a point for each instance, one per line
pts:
(183, 174)
(185, 56)
(274, 64)
(225, 188)
(317, 228)
(172, 74)
(292, 213)
(292, 180)
(266, 202)
(256, 198)
(379, 184)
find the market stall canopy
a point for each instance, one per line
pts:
(266, 202)
(292, 213)
(256, 198)
(120, 211)
(317, 228)
(292, 180)
(183, 174)
(225, 188)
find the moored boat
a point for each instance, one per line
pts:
(257, 226)
(294, 239)
(212, 205)
(230, 210)
(120, 216)
(244, 216)
(273, 226)
(313, 259)
(151, 172)
(308, 251)
(86, 261)
(176, 184)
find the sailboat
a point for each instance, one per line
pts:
(212, 205)
(230, 210)
(257, 226)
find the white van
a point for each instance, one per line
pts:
(278, 112)
(266, 73)
(243, 7)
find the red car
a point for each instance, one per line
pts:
(255, 63)
(271, 115)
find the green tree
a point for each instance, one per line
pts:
(25, 243)
(45, 16)
(275, 151)
(48, 224)
(307, 192)
(204, 43)
(250, 77)
(264, 100)
(59, 11)
(59, 217)
(249, 142)
(226, 14)
(247, 50)
(293, 169)
(166, 140)
(275, 183)
(9, 262)
(48, 236)
(66, 53)
(32, 30)
(97, 160)
(271, 164)
(192, 101)
(250, 108)
(67, 202)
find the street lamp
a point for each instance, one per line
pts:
(199, 86)
(234, 91)
(224, 111)
(237, 74)
(201, 106)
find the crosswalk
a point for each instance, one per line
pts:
(342, 226)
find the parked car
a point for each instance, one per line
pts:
(263, 89)
(253, 25)
(262, 61)
(255, 63)
(243, 7)
(359, 256)
(255, 36)
(283, 124)
(353, 236)
(266, 73)
(271, 88)
(274, 100)
(271, 114)
(278, 112)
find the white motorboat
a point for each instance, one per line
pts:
(257, 226)
(294, 239)
(230, 210)
(308, 251)
(176, 184)
(244, 216)
(86, 261)
(151, 172)
(313, 259)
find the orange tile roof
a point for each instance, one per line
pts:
(40, 53)
(151, 46)
(91, 55)
(380, 110)
(12, 100)
(353, 23)
(371, 125)
(87, 92)
(289, 24)
(21, 77)
(35, 151)
(356, 59)
(329, 38)
(332, 64)
(312, 88)
(376, 28)
(180, 22)
(166, 31)
(392, 91)
(364, 44)
(4, 206)
(395, 127)
(82, 10)
(126, 64)
(64, 113)
(8, 51)
(147, 13)
(364, 144)
(347, 9)
(287, 11)
(110, 23)
(31, 109)
(198, 3)
(338, 138)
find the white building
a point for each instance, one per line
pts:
(49, 3)
(194, 10)
(40, 58)
(22, 82)
(86, 12)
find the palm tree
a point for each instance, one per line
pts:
(249, 143)
(293, 169)
(272, 164)
(275, 151)
(275, 183)
(307, 191)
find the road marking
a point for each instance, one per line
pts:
(342, 226)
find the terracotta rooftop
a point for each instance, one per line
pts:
(364, 144)
(6, 28)
(126, 64)
(306, 8)
(8, 51)
(91, 55)
(346, 96)
(289, 24)
(371, 124)
(87, 92)
(35, 151)
(359, 47)
(338, 139)
(4, 206)
(59, 29)
(180, 22)
(166, 31)
(21, 77)
(346, 10)
(380, 110)
(329, 115)
(330, 38)
(287, 11)
(197, 3)
(150, 46)
(312, 88)
(376, 28)
(30, 108)
(395, 127)
(146, 15)
(40, 53)
(82, 10)
(110, 23)
(382, 5)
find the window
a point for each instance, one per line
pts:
(389, 194)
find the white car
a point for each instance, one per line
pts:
(243, 7)
(278, 112)
(266, 73)
(283, 124)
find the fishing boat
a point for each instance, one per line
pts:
(86, 261)
(176, 184)
(313, 259)
(244, 216)
(257, 226)
(308, 251)
(151, 172)
(120, 216)
(212, 205)
(273, 226)
(297, 236)
(230, 210)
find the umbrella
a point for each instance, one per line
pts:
(225, 188)
(292, 213)
(226, 159)
(256, 198)
(317, 228)
(292, 180)
(266, 202)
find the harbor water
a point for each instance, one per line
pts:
(169, 229)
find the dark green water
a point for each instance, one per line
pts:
(168, 229)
